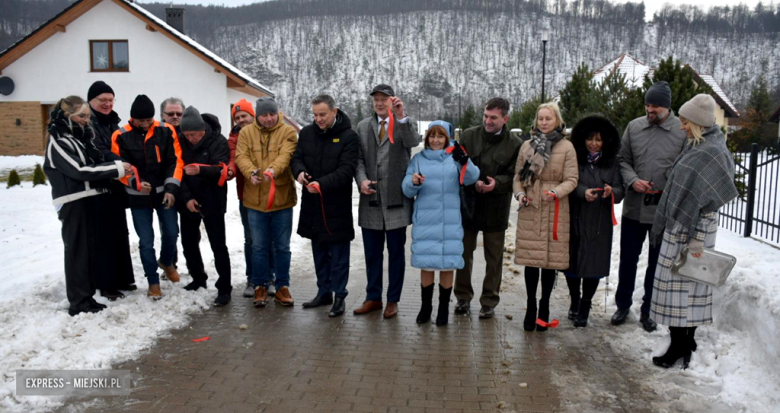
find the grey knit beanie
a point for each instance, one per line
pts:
(192, 121)
(660, 94)
(265, 105)
(700, 110)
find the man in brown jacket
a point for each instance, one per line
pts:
(263, 155)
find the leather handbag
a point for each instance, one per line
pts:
(712, 268)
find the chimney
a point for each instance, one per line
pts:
(174, 16)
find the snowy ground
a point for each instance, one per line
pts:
(735, 369)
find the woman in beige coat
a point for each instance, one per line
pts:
(546, 171)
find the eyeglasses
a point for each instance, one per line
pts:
(108, 100)
(174, 114)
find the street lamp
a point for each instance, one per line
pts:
(545, 37)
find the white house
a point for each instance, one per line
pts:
(122, 44)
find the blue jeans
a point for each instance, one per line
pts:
(632, 236)
(248, 245)
(271, 229)
(144, 227)
(331, 263)
(374, 248)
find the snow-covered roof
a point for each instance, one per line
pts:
(633, 69)
(709, 80)
(208, 53)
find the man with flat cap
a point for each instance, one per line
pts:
(155, 152)
(649, 148)
(384, 211)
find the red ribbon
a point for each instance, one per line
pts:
(198, 340)
(390, 125)
(614, 220)
(557, 212)
(272, 192)
(223, 175)
(463, 168)
(316, 187)
(137, 178)
(552, 324)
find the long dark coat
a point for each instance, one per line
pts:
(591, 222)
(330, 157)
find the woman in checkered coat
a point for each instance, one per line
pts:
(701, 181)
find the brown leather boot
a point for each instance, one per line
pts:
(170, 272)
(283, 296)
(261, 297)
(155, 293)
(391, 310)
(367, 307)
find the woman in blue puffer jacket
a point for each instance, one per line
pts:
(434, 177)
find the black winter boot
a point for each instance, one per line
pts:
(544, 313)
(427, 305)
(691, 340)
(582, 316)
(678, 349)
(442, 316)
(574, 294)
(529, 323)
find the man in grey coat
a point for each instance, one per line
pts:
(649, 148)
(384, 211)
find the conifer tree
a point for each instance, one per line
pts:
(39, 178)
(13, 179)
(523, 117)
(577, 96)
(469, 118)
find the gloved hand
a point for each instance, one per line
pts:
(459, 154)
(695, 247)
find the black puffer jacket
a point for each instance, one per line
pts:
(105, 126)
(213, 149)
(73, 164)
(330, 157)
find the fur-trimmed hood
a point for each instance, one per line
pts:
(609, 134)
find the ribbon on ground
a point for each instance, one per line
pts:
(198, 340)
(552, 324)
(614, 219)
(317, 188)
(272, 192)
(223, 175)
(557, 212)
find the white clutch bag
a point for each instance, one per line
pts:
(712, 268)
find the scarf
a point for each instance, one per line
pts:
(61, 127)
(537, 154)
(701, 181)
(594, 157)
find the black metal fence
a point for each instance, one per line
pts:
(756, 212)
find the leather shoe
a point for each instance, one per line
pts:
(620, 316)
(486, 312)
(338, 307)
(391, 310)
(319, 300)
(647, 323)
(367, 307)
(462, 307)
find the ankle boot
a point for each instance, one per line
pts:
(529, 322)
(544, 313)
(427, 305)
(574, 308)
(691, 340)
(442, 316)
(678, 349)
(582, 316)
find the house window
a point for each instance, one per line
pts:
(109, 56)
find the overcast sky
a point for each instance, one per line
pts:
(651, 6)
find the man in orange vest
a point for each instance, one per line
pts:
(153, 149)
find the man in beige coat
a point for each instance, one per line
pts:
(263, 154)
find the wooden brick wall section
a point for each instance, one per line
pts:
(27, 138)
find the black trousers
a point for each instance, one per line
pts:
(632, 236)
(79, 228)
(190, 241)
(115, 267)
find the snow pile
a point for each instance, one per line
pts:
(20, 163)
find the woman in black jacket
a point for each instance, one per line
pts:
(77, 172)
(600, 186)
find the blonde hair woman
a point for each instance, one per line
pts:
(701, 181)
(546, 172)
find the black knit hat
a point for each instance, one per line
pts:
(192, 121)
(142, 108)
(97, 89)
(660, 94)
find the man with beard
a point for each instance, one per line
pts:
(112, 234)
(203, 198)
(494, 151)
(649, 148)
(324, 163)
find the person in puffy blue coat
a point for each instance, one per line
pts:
(434, 177)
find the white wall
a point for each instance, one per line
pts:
(159, 67)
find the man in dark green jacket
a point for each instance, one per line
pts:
(494, 151)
